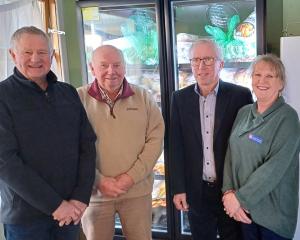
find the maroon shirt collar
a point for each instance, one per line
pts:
(95, 92)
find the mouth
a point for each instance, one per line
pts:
(262, 88)
(111, 79)
(35, 66)
(202, 74)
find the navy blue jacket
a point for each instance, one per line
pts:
(47, 148)
(186, 163)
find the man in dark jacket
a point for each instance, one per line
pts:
(47, 146)
(201, 120)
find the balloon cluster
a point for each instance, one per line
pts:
(142, 37)
(232, 48)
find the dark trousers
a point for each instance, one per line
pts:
(208, 219)
(254, 231)
(46, 229)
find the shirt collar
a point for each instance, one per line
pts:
(215, 90)
(94, 91)
(277, 104)
(105, 96)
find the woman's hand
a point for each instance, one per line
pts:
(231, 203)
(233, 208)
(241, 216)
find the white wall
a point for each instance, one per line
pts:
(291, 17)
(290, 55)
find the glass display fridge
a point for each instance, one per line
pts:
(155, 37)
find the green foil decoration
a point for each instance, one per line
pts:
(143, 39)
(231, 48)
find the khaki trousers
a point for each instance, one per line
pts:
(98, 221)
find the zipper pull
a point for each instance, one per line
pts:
(47, 96)
(112, 112)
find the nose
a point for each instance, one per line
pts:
(110, 68)
(262, 79)
(202, 64)
(35, 57)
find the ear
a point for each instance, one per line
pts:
(221, 64)
(124, 68)
(282, 87)
(12, 55)
(92, 68)
(52, 55)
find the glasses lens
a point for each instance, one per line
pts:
(208, 61)
(195, 61)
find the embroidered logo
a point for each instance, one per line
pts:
(255, 138)
(132, 109)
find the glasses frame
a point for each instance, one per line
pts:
(207, 61)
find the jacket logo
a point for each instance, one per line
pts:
(255, 138)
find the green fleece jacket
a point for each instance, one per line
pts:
(262, 165)
(131, 142)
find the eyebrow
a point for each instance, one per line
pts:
(110, 63)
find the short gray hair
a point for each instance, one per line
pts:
(111, 47)
(17, 35)
(274, 62)
(207, 41)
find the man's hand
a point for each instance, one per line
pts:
(79, 205)
(124, 182)
(180, 203)
(66, 213)
(108, 187)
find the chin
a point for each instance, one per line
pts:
(37, 76)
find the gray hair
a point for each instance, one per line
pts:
(112, 48)
(17, 35)
(274, 62)
(210, 42)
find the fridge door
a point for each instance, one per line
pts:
(233, 25)
(133, 29)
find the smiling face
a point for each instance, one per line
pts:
(206, 76)
(108, 68)
(32, 56)
(266, 83)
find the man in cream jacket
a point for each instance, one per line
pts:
(130, 131)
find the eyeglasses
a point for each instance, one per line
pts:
(208, 61)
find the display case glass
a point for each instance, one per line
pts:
(231, 24)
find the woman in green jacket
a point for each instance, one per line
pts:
(262, 162)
